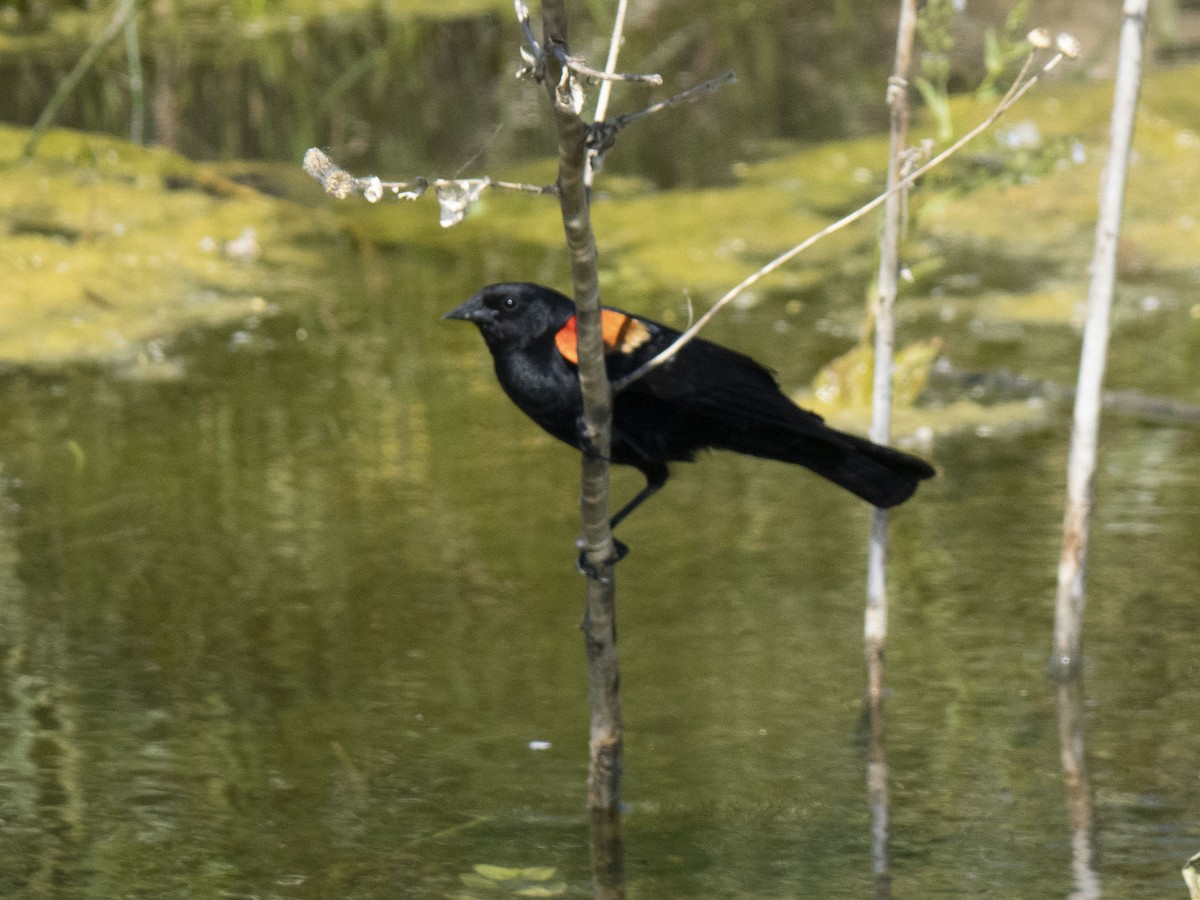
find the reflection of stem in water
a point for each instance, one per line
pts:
(1079, 801)
(608, 858)
(877, 777)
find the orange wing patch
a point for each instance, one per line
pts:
(621, 334)
(567, 341)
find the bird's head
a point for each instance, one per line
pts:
(514, 316)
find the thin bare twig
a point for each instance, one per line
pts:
(602, 135)
(478, 153)
(1010, 99)
(690, 94)
(575, 64)
(527, 28)
(341, 184)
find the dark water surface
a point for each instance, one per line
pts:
(302, 622)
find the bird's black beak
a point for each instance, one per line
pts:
(468, 312)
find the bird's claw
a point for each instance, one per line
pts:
(586, 568)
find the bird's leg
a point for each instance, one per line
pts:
(653, 485)
(656, 477)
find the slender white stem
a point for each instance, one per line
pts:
(610, 65)
(875, 618)
(1068, 611)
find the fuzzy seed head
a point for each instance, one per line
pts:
(1039, 39)
(1068, 46)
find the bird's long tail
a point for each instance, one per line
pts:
(882, 476)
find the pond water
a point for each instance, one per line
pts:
(290, 625)
(301, 620)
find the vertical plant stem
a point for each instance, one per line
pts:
(137, 84)
(875, 619)
(599, 622)
(1069, 605)
(68, 84)
(610, 66)
(875, 625)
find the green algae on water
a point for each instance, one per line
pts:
(110, 245)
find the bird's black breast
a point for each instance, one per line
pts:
(545, 387)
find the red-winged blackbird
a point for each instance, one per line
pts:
(705, 396)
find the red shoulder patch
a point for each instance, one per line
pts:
(567, 341)
(621, 334)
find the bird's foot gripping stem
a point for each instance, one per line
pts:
(585, 568)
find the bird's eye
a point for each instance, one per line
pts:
(510, 303)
